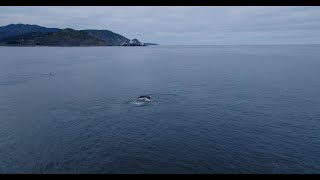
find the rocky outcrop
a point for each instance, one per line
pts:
(133, 42)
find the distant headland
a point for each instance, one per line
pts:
(34, 35)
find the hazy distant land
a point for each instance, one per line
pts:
(34, 35)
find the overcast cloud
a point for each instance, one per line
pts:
(182, 25)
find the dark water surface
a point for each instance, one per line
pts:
(214, 109)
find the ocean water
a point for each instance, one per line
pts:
(214, 109)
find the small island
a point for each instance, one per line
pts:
(133, 42)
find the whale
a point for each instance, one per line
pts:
(145, 97)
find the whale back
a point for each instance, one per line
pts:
(145, 96)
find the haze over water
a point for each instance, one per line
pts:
(214, 109)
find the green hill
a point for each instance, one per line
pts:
(34, 35)
(65, 37)
(111, 38)
(19, 29)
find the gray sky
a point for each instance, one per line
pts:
(185, 25)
